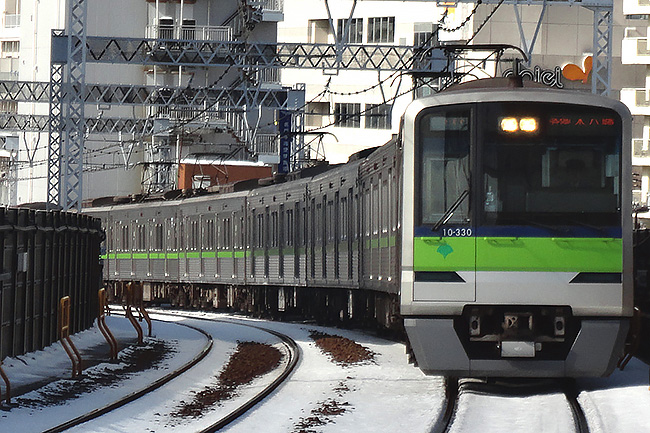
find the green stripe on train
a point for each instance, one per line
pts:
(517, 254)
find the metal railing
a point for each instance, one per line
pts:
(266, 144)
(270, 5)
(200, 33)
(11, 21)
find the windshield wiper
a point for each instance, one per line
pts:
(450, 212)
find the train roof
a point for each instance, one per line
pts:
(495, 90)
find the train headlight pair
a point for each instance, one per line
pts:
(514, 124)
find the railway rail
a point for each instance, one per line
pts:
(138, 394)
(292, 351)
(455, 389)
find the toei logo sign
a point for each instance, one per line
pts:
(548, 77)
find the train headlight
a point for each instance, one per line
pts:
(528, 124)
(509, 124)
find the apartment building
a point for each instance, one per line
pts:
(636, 94)
(553, 36)
(360, 109)
(127, 161)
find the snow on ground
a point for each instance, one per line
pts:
(384, 395)
(619, 403)
(46, 365)
(488, 413)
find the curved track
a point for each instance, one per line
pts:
(293, 352)
(454, 389)
(136, 395)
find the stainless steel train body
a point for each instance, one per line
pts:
(495, 228)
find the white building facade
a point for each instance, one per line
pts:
(636, 94)
(553, 37)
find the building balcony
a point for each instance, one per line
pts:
(636, 7)
(11, 21)
(640, 152)
(637, 100)
(186, 32)
(635, 47)
(272, 10)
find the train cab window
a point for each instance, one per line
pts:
(443, 171)
(559, 165)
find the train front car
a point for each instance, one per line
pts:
(516, 249)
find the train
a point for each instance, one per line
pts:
(494, 230)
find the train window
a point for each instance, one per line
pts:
(158, 237)
(344, 218)
(227, 233)
(141, 236)
(181, 237)
(172, 239)
(260, 230)
(375, 210)
(566, 172)
(209, 234)
(275, 234)
(443, 171)
(193, 241)
(125, 237)
(290, 229)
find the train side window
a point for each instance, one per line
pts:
(172, 239)
(227, 233)
(158, 239)
(125, 236)
(209, 234)
(290, 234)
(274, 229)
(260, 231)
(141, 235)
(344, 218)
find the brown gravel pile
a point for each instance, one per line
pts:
(341, 349)
(250, 360)
(325, 412)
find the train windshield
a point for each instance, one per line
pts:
(550, 165)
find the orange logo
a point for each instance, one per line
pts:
(575, 73)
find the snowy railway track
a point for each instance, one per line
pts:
(138, 394)
(291, 351)
(503, 401)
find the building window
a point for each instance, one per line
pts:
(381, 30)
(347, 115)
(355, 32)
(12, 14)
(378, 116)
(317, 113)
(425, 34)
(10, 49)
(319, 31)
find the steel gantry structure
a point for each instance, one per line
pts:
(67, 91)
